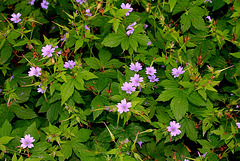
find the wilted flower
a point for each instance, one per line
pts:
(44, 4)
(136, 67)
(123, 106)
(16, 17)
(88, 12)
(27, 141)
(177, 72)
(70, 64)
(127, 6)
(130, 28)
(47, 51)
(34, 71)
(173, 128)
(128, 87)
(151, 71)
(86, 27)
(12, 77)
(140, 144)
(136, 80)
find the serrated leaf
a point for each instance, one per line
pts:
(32, 130)
(189, 128)
(5, 139)
(67, 149)
(133, 43)
(186, 22)
(196, 99)
(125, 43)
(82, 135)
(53, 111)
(6, 129)
(67, 90)
(23, 113)
(6, 53)
(141, 39)
(79, 43)
(97, 103)
(86, 75)
(237, 55)
(93, 62)
(168, 94)
(179, 106)
(113, 40)
(172, 4)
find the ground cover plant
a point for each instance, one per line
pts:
(119, 80)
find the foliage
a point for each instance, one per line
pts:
(91, 80)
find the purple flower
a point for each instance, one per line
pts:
(0, 90)
(40, 90)
(130, 28)
(12, 77)
(16, 17)
(31, 2)
(204, 155)
(140, 144)
(59, 53)
(47, 51)
(149, 43)
(86, 27)
(27, 141)
(44, 4)
(238, 125)
(208, 1)
(145, 26)
(136, 80)
(173, 128)
(123, 106)
(80, 1)
(126, 141)
(22, 93)
(177, 72)
(209, 18)
(151, 71)
(70, 64)
(88, 12)
(152, 78)
(237, 106)
(186, 160)
(127, 6)
(34, 71)
(136, 67)
(128, 87)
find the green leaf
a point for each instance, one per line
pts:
(97, 103)
(93, 62)
(237, 55)
(179, 106)
(21, 43)
(5, 139)
(104, 56)
(141, 39)
(67, 149)
(86, 75)
(168, 94)
(6, 129)
(23, 113)
(189, 128)
(32, 130)
(172, 4)
(5, 113)
(186, 22)
(6, 53)
(53, 111)
(125, 43)
(113, 40)
(196, 99)
(197, 22)
(67, 90)
(133, 43)
(79, 43)
(82, 135)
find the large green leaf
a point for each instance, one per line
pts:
(113, 40)
(32, 130)
(67, 90)
(179, 106)
(189, 128)
(23, 113)
(97, 103)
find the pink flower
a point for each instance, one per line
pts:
(152, 78)
(177, 72)
(238, 124)
(47, 51)
(27, 141)
(88, 12)
(173, 128)
(149, 43)
(80, 1)
(136, 67)
(130, 28)
(44, 4)
(127, 6)
(151, 71)
(123, 106)
(128, 87)
(136, 80)
(34, 71)
(209, 18)
(31, 2)
(16, 17)
(86, 27)
(70, 64)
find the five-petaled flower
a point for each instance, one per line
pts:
(128, 87)
(151, 71)
(70, 64)
(177, 72)
(127, 6)
(173, 128)
(34, 71)
(136, 80)
(47, 51)
(152, 78)
(27, 141)
(31, 2)
(16, 17)
(123, 106)
(130, 28)
(44, 4)
(40, 90)
(135, 67)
